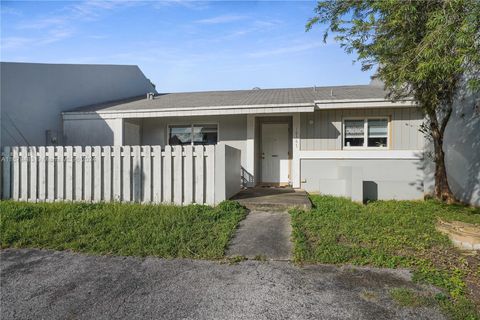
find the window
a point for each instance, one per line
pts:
(377, 133)
(204, 134)
(193, 134)
(369, 133)
(180, 135)
(354, 133)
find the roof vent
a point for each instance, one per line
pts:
(150, 95)
(256, 88)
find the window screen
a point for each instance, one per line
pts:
(377, 132)
(354, 133)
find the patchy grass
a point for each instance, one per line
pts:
(260, 257)
(122, 229)
(236, 259)
(368, 295)
(392, 234)
(409, 298)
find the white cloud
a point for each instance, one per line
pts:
(189, 4)
(60, 26)
(54, 35)
(43, 23)
(14, 42)
(221, 19)
(5, 10)
(285, 49)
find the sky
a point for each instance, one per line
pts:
(182, 45)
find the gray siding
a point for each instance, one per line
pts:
(322, 130)
(232, 130)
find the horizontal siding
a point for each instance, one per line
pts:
(322, 130)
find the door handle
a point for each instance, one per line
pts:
(274, 155)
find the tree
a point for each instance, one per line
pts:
(428, 50)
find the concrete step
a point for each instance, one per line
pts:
(274, 207)
(273, 199)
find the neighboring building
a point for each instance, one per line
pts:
(345, 140)
(33, 96)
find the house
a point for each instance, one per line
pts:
(344, 140)
(33, 96)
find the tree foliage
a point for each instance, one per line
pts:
(427, 50)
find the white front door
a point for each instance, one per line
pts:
(274, 153)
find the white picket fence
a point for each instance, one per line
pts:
(178, 174)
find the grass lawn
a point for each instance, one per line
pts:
(393, 234)
(122, 229)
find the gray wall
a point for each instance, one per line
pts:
(132, 132)
(462, 151)
(382, 179)
(88, 132)
(232, 130)
(33, 95)
(322, 130)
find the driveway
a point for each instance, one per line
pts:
(39, 284)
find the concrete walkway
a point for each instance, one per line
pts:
(41, 284)
(266, 231)
(263, 235)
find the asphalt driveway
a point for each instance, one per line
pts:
(44, 284)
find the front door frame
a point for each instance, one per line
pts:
(251, 149)
(281, 119)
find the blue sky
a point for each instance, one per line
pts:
(182, 45)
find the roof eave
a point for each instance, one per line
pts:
(191, 111)
(363, 104)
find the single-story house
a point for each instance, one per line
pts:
(342, 140)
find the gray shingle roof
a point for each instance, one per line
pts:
(240, 98)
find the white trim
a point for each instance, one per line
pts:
(295, 168)
(118, 132)
(363, 154)
(362, 104)
(250, 148)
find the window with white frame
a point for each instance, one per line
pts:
(196, 134)
(365, 133)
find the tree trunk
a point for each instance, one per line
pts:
(442, 190)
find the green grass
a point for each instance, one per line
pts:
(391, 234)
(409, 298)
(122, 229)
